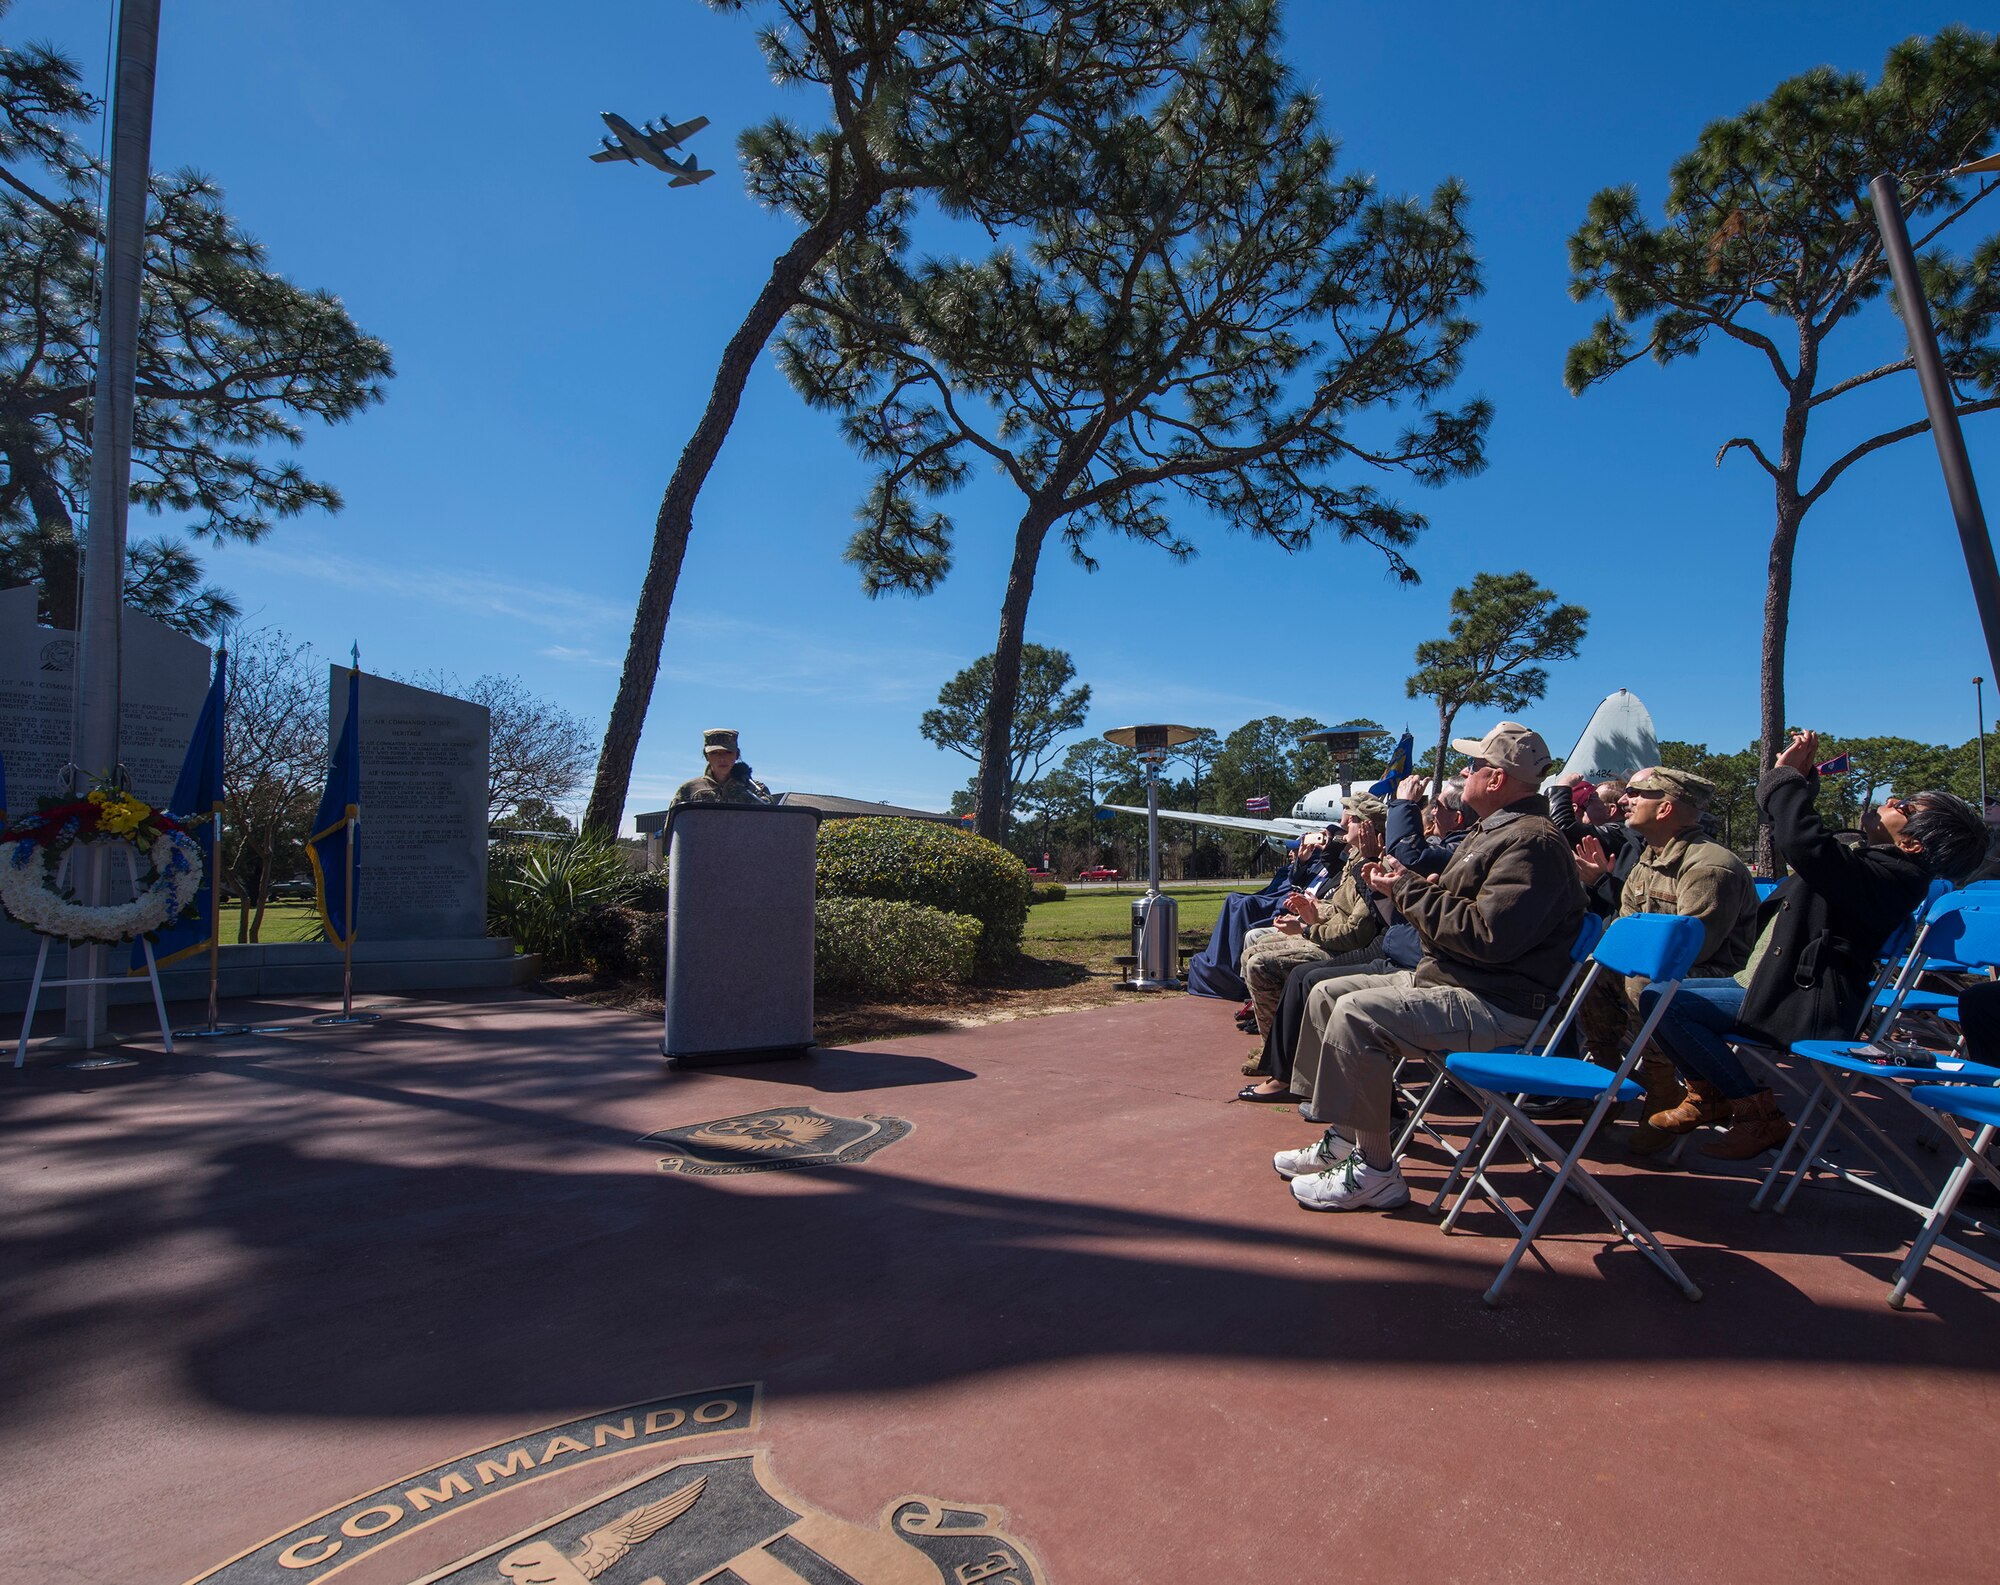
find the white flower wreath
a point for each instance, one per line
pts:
(29, 893)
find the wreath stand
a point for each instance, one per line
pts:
(42, 961)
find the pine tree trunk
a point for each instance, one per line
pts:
(995, 758)
(1445, 718)
(1771, 681)
(606, 811)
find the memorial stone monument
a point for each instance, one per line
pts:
(164, 676)
(423, 810)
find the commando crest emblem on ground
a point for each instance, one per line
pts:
(770, 1140)
(724, 1521)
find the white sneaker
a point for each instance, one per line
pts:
(1352, 1186)
(1326, 1152)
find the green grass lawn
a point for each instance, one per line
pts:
(1094, 927)
(286, 921)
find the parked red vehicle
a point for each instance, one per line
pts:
(1097, 873)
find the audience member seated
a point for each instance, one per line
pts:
(1426, 846)
(1496, 926)
(1212, 971)
(1398, 947)
(1343, 923)
(1591, 818)
(1814, 959)
(1679, 872)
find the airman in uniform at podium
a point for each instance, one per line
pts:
(727, 779)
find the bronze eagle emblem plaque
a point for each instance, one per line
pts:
(776, 1138)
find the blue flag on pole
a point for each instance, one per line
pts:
(335, 844)
(197, 800)
(1399, 767)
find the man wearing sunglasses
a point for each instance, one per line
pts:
(1679, 871)
(1819, 934)
(1496, 925)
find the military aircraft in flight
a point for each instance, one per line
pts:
(649, 144)
(1617, 740)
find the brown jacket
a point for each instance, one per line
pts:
(1701, 880)
(1348, 917)
(1500, 919)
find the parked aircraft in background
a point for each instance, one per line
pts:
(649, 145)
(1617, 740)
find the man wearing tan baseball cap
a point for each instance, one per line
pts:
(1497, 924)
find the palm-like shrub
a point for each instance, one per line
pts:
(922, 861)
(541, 893)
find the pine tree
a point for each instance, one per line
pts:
(1200, 309)
(232, 357)
(1769, 240)
(963, 106)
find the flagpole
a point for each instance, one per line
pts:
(214, 1029)
(347, 1014)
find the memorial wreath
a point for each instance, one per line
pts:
(31, 854)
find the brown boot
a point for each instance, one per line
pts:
(1254, 1065)
(1704, 1104)
(1756, 1125)
(1664, 1093)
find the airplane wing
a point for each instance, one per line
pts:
(1281, 827)
(603, 155)
(669, 133)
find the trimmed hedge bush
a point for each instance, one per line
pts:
(865, 947)
(625, 943)
(922, 861)
(1047, 892)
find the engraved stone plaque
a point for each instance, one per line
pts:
(163, 676)
(423, 809)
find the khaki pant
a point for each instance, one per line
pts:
(1358, 1026)
(1267, 964)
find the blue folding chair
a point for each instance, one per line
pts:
(1659, 948)
(1961, 926)
(1579, 954)
(1950, 1104)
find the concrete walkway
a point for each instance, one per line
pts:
(244, 1287)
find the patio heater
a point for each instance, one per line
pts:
(1156, 925)
(1342, 743)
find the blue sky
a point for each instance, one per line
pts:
(556, 326)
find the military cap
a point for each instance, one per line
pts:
(1368, 806)
(719, 737)
(1683, 786)
(1516, 749)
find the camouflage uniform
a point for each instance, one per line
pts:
(1691, 876)
(736, 788)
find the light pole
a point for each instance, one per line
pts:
(1979, 720)
(1938, 402)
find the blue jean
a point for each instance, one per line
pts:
(1691, 1031)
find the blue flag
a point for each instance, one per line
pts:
(197, 800)
(1399, 767)
(335, 844)
(1839, 765)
